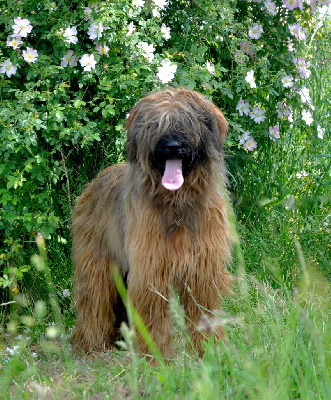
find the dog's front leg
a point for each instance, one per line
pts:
(153, 308)
(200, 298)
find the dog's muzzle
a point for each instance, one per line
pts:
(174, 158)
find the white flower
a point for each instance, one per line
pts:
(255, 31)
(156, 13)
(147, 50)
(304, 72)
(245, 47)
(292, 4)
(324, 2)
(30, 55)
(302, 67)
(287, 81)
(69, 59)
(244, 136)
(88, 62)
(162, 4)
(302, 174)
(250, 143)
(307, 117)
(305, 96)
(131, 29)
(297, 31)
(210, 68)
(250, 79)
(165, 30)
(320, 132)
(206, 86)
(290, 45)
(243, 107)
(95, 31)
(8, 68)
(14, 42)
(138, 3)
(283, 110)
(270, 7)
(257, 114)
(66, 293)
(70, 35)
(166, 73)
(102, 49)
(88, 10)
(274, 132)
(21, 27)
(13, 351)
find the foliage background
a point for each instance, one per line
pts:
(61, 125)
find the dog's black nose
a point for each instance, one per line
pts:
(172, 145)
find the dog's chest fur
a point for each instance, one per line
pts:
(175, 241)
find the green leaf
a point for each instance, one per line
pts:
(194, 49)
(59, 115)
(202, 49)
(199, 58)
(108, 111)
(78, 103)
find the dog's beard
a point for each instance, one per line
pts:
(174, 158)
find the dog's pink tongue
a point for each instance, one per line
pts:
(173, 175)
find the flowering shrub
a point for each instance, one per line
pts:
(70, 72)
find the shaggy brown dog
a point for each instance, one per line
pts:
(161, 219)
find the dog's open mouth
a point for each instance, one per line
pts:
(174, 158)
(173, 174)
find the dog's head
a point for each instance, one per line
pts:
(173, 131)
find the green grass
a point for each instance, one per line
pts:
(278, 347)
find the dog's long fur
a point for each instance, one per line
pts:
(157, 238)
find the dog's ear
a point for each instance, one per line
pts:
(221, 123)
(215, 118)
(131, 142)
